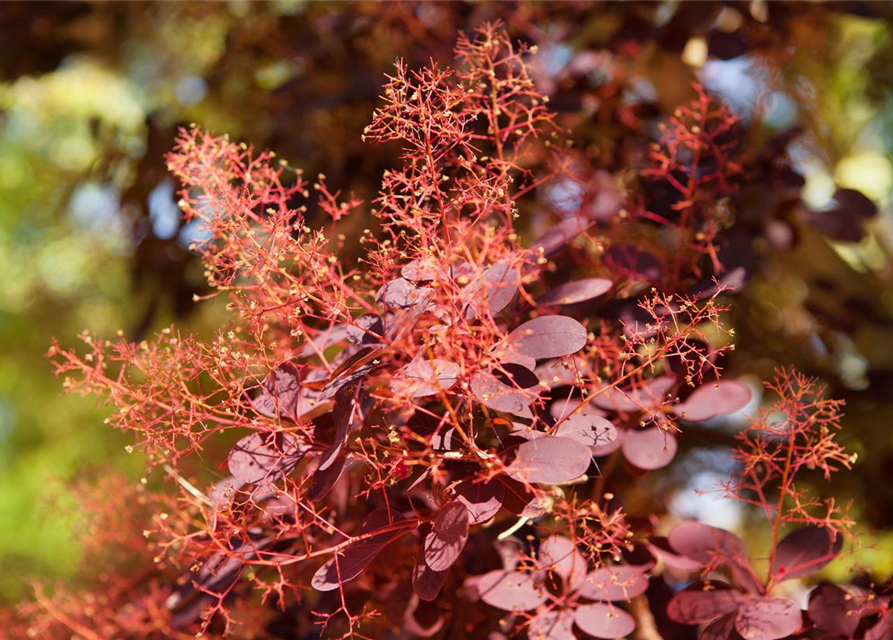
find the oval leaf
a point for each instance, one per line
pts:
(708, 545)
(805, 551)
(426, 582)
(552, 625)
(499, 284)
(483, 500)
(492, 393)
(560, 554)
(358, 556)
(768, 619)
(576, 291)
(604, 621)
(428, 377)
(711, 400)
(448, 536)
(260, 455)
(510, 591)
(588, 429)
(832, 610)
(614, 583)
(701, 604)
(649, 449)
(649, 395)
(549, 460)
(548, 337)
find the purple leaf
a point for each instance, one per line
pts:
(559, 236)
(429, 377)
(576, 291)
(510, 591)
(448, 536)
(402, 294)
(805, 551)
(420, 270)
(499, 284)
(346, 404)
(260, 455)
(548, 337)
(721, 629)
(883, 630)
(768, 619)
(617, 582)
(351, 562)
(698, 604)
(324, 479)
(366, 330)
(650, 395)
(426, 582)
(649, 449)
(708, 545)
(552, 625)
(483, 500)
(560, 554)
(660, 549)
(711, 400)
(549, 460)
(604, 621)
(280, 393)
(588, 429)
(833, 610)
(492, 393)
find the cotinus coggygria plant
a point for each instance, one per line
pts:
(444, 437)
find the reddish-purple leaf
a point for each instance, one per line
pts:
(604, 621)
(346, 405)
(617, 582)
(280, 393)
(493, 291)
(708, 545)
(260, 455)
(550, 460)
(510, 590)
(560, 554)
(447, 537)
(660, 549)
(325, 479)
(768, 619)
(805, 551)
(576, 291)
(833, 610)
(351, 562)
(588, 429)
(559, 236)
(552, 625)
(649, 449)
(548, 337)
(428, 377)
(721, 629)
(699, 604)
(427, 582)
(713, 400)
(883, 630)
(650, 395)
(402, 294)
(493, 393)
(483, 500)
(420, 270)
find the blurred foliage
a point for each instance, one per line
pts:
(92, 94)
